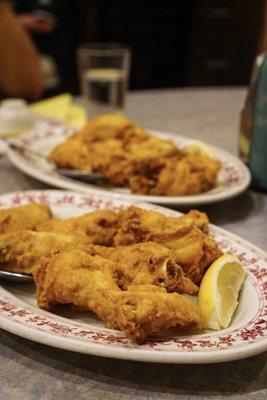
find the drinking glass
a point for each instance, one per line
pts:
(104, 73)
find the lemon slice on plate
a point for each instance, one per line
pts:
(201, 147)
(219, 290)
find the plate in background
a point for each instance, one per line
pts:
(233, 179)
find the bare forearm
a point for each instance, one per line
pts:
(20, 74)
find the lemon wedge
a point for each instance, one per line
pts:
(219, 290)
(201, 147)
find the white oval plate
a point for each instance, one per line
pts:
(233, 179)
(84, 333)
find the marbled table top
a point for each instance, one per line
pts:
(30, 371)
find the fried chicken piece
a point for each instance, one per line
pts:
(195, 251)
(75, 153)
(98, 226)
(198, 218)
(147, 263)
(72, 153)
(75, 277)
(173, 175)
(138, 264)
(21, 251)
(127, 155)
(113, 126)
(192, 174)
(101, 154)
(93, 149)
(192, 249)
(23, 217)
(134, 164)
(106, 126)
(102, 225)
(147, 222)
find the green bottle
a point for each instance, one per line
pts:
(253, 132)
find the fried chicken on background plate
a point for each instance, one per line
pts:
(127, 155)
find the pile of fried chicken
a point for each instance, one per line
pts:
(130, 267)
(128, 156)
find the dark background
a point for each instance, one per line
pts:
(174, 43)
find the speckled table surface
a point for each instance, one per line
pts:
(30, 371)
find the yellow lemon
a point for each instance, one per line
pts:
(219, 290)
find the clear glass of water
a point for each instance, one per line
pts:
(104, 73)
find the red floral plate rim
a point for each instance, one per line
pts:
(235, 175)
(244, 339)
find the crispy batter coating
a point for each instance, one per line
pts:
(107, 126)
(21, 251)
(143, 263)
(72, 153)
(190, 174)
(23, 217)
(185, 236)
(129, 156)
(147, 263)
(75, 277)
(192, 248)
(99, 226)
(103, 138)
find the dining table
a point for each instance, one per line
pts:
(33, 371)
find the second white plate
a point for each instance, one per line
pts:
(233, 179)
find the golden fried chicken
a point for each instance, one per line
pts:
(101, 156)
(23, 217)
(101, 225)
(75, 277)
(98, 226)
(99, 141)
(138, 221)
(136, 162)
(147, 263)
(72, 153)
(21, 251)
(106, 126)
(192, 248)
(127, 155)
(171, 175)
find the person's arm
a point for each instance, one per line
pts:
(20, 74)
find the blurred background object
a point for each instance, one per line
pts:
(262, 45)
(20, 74)
(174, 43)
(15, 117)
(253, 120)
(55, 27)
(104, 73)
